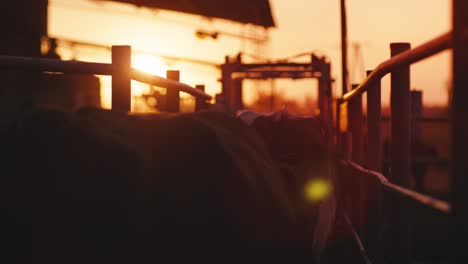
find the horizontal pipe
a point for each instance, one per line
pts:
(54, 65)
(429, 201)
(168, 84)
(250, 66)
(276, 74)
(416, 54)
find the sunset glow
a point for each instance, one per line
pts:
(150, 64)
(371, 25)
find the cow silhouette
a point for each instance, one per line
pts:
(96, 186)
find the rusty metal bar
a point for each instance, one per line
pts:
(459, 132)
(431, 202)
(173, 96)
(121, 89)
(421, 52)
(400, 155)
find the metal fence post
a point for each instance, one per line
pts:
(416, 114)
(173, 96)
(459, 132)
(200, 103)
(374, 162)
(121, 79)
(356, 126)
(322, 88)
(235, 101)
(400, 156)
(227, 82)
(338, 125)
(374, 136)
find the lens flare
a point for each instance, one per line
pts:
(317, 190)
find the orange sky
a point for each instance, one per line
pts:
(303, 25)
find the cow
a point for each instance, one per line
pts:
(299, 145)
(97, 186)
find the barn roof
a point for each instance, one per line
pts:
(256, 12)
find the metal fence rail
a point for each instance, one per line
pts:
(421, 52)
(434, 203)
(120, 70)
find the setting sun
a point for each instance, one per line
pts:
(150, 64)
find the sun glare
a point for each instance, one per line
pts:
(150, 64)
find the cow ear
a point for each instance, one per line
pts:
(247, 116)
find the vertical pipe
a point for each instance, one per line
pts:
(374, 141)
(345, 135)
(121, 89)
(200, 103)
(374, 162)
(344, 47)
(400, 155)
(338, 126)
(459, 132)
(329, 93)
(235, 102)
(418, 169)
(416, 114)
(226, 82)
(173, 96)
(356, 126)
(322, 90)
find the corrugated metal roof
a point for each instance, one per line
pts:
(256, 12)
